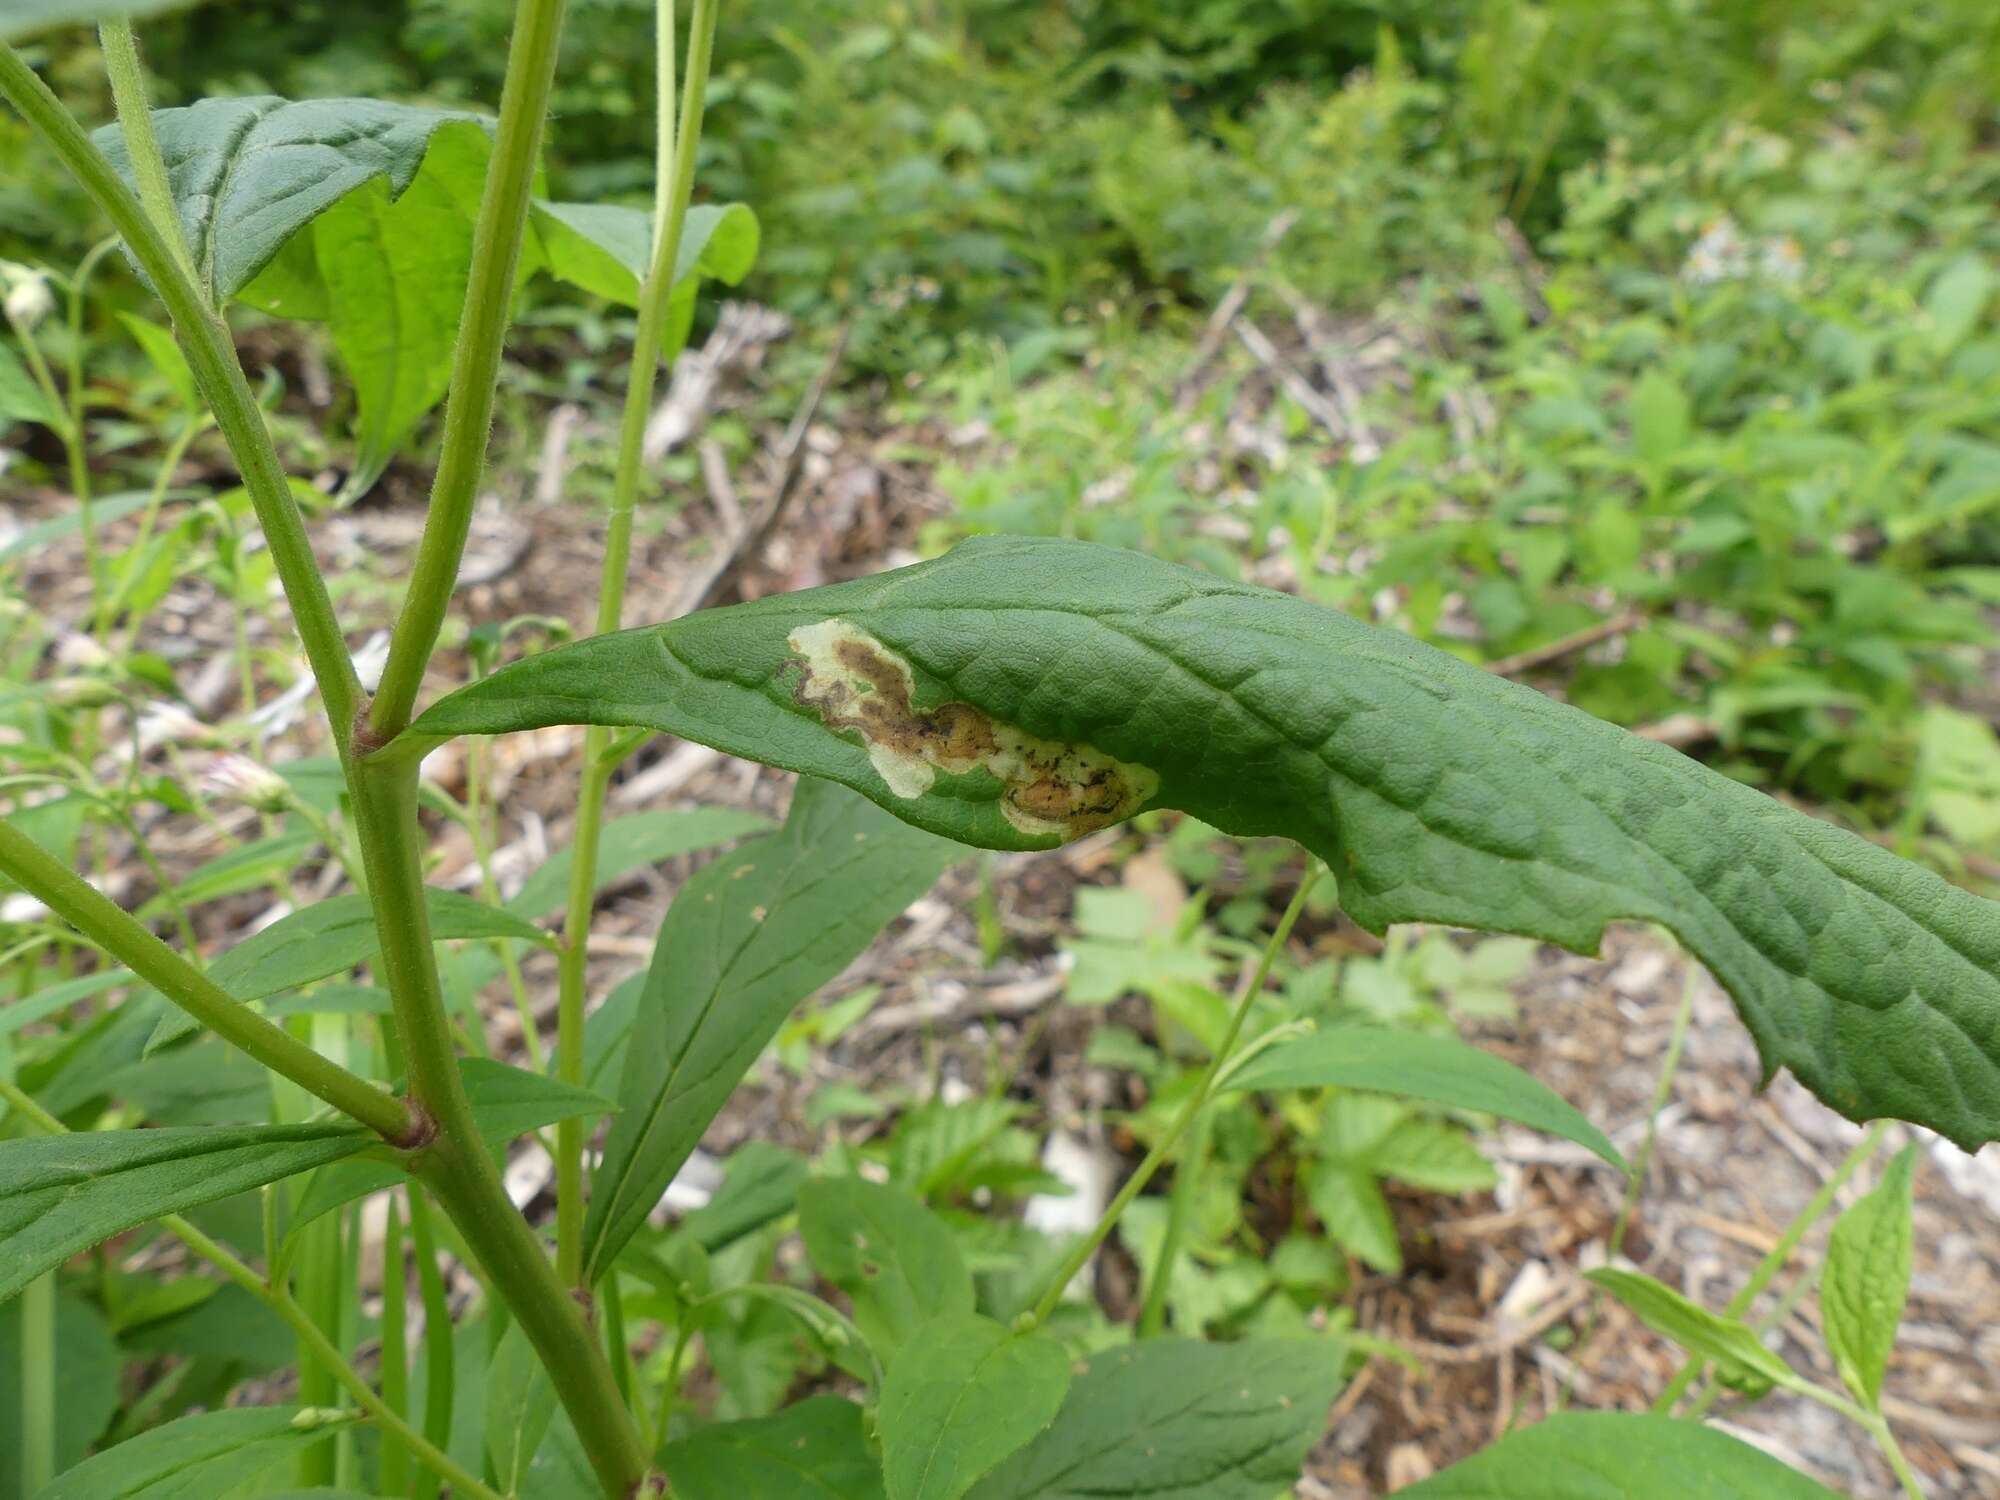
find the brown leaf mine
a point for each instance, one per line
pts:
(859, 685)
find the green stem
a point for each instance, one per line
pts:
(1180, 1209)
(468, 414)
(455, 1165)
(135, 122)
(1781, 1252)
(674, 148)
(1080, 1254)
(393, 1474)
(38, 1383)
(67, 894)
(440, 1357)
(288, 1310)
(150, 519)
(205, 340)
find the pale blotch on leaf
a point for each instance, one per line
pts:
(1050, 789)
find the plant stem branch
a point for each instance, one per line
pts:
(675, 157)
(281, 1303)
(455, 1164)
(67, 894)
(211, 355)
(468, 414)
(1080, 1254)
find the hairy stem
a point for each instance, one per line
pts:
(468, 413)
(67, 894)
(204, 339)
(135, 122)
(674, 156)
(1080, 1254)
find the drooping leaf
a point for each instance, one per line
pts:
(87, 1365)
(63, 1193)
(248, 173)
(813, 1450)
(394, 267)
(199, 1457)
(962, 1395)
(1018, 691)
(1740, 1358)
(331, 937)
(1175, 1419)
(751, 935)
(1867, 1281)
(893, 1257)
(625, 844)
(1440, 1069)
(1618, 1456)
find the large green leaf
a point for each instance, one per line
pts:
(894, 1258)
(1441, 1069)
(751, 935)
(962, 1395)
(1616, 1456)
(1016, 692)
(1867, 1281)
(19, 18)
(813, 1450)
(198, 1458)
(248, 173)
(63, 1193)
(518, 1404)
(1174, 1419)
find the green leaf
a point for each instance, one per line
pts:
(1174, 1419)
(1017, 691)
(63, 1193)
(605, 249)
(962, 1395)
(165, 356)
(21, 400)
(103, 510)
(86, 1384)
(1661, 417)
(1355, 1213)
(1956, 300)
(1440, 1069)
(1432, 1155)
(1618, 1456)
(393, 267)
(330, 937)
(1740, 1358)
(1867, 1281)
(760, 1183)
(751, 935)
(628, 843)
(249, 173)
(814, 1450)
(519, 1403)
(893, 1257)
(197, 1458)
(20, 18)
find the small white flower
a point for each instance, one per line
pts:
(231, 777)
(28, 297)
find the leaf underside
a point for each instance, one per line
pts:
(1435, 791)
